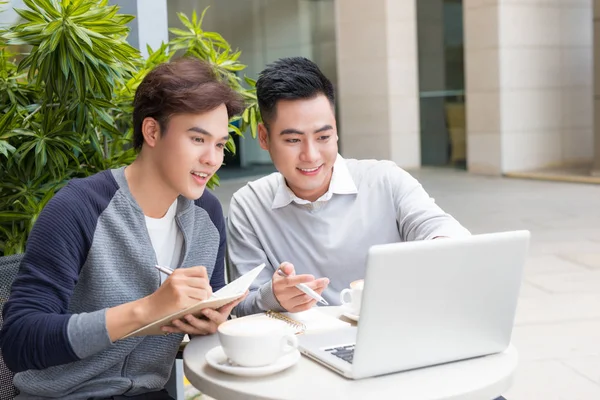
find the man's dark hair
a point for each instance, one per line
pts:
(293, 78)
(184, 86)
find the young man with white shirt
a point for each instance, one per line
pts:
(320, 213)
(88, 276)
(317, 217)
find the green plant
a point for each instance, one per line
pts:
(66, 104)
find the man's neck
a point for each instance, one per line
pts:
(148, 188)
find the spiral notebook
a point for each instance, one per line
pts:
(309, 321)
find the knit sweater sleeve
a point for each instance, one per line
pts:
(35, 333)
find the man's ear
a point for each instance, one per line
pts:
(150, 131)
(263, 136)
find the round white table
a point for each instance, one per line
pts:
(483, 378)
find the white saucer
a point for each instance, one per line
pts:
(217, 359)
(351, 316)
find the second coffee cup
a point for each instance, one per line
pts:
(351, 298)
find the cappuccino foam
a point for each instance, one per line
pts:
(249, 327)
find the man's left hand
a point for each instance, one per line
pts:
(192, 325)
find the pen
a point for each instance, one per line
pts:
(164, 270)
(307, 290)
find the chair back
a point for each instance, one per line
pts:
(9, 266)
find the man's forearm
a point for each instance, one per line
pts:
(259, 300)
(90, 333)
(125, 318)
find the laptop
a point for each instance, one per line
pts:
(426, 303)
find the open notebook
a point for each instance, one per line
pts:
(309, 321)
(225, 295)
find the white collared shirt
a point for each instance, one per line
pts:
(341, 183)
(368, 202)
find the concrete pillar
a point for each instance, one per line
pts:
(378, 93)
(528, 82)
(150, 26)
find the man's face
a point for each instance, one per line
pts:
(302, 141)
(192, 150)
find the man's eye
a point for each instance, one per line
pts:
(221, 145)
(324, 137)
(198, 139)
(293, 140)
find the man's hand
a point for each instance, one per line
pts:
(197, 326)
(182, 289)
(288, 295)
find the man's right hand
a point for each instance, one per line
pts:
(182, 289)
(288, 295)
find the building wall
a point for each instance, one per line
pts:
(377, 80)
(529, 84)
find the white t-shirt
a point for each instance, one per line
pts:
(166, 238)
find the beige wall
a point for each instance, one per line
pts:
(377, 80)
(529, 83)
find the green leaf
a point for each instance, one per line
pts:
(80, 7)
(179, 32)
(32, 6)
(185, 21)
(64, 60)
(51, 27)
(30, 15)
(253, 123)
(49, 7)
(83, 33)
(9, 216)
(202, 16)
(230, 145)
(76, 51)
(235, 129)
(6, 148)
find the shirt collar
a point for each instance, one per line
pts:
(341, 183)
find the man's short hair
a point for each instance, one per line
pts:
(293, 78)
(184, 86)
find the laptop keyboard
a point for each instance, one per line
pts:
(346, 353)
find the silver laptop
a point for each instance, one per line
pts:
(428, 302)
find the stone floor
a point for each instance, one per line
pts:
(557, 329)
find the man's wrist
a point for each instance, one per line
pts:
(267, 299)
(142, 311)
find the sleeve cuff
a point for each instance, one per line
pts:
(266, 298)
(456, 232)
(88, 334)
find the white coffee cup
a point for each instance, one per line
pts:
(256, 343)
(352, 297)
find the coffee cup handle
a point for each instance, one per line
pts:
(343, 294)
(289, 343)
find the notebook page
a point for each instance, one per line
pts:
(313, 320)
(316, 321)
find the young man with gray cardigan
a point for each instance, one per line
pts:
(88, 276)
